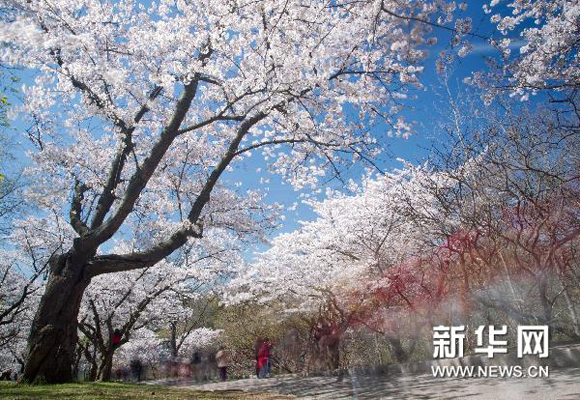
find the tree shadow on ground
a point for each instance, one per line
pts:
(563, 384)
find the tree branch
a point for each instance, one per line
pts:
(117, 263)
(107, 196)
(76, 209)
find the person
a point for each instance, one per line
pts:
(196, 358)
(223, 360)
(196, 366)
(137, 368)
(264, 359)
(116, 338)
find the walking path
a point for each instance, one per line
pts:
(415, 381)
(561, 384)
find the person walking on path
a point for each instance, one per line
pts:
(223, 361)
(137, 368)
(196, 366)
(264, 362)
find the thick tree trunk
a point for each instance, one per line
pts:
(53, 336)
(106, 366)
(334, 354)
(92, 358)
(546, 304)
(78, 356)
(173, 340)
(330, 348)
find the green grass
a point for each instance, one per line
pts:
(114, 391)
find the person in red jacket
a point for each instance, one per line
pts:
(264, 359)
(116, 339)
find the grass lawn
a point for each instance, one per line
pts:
(113, 391)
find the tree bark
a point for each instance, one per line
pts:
(78, 356)
(329, 346)
(546, 306)
(53, 336)
(334, 354)
(92, 358)
(106, 366)
(173, 340)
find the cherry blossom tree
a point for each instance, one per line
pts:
(517, 211)
(23, 265)
(120, 309)
(430, 243)
(144, 345)
(116, 305)
(188, 329)
(363, 262)
(152, 350)
(19, 297)
(11, 205)
(546, 38)
(16, 288)
(191, 340)
(139, 110)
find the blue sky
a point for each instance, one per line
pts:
(421, 110)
